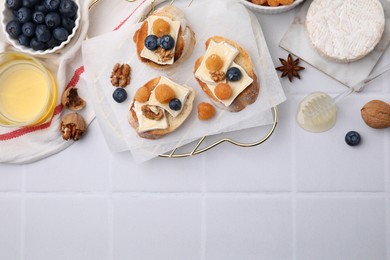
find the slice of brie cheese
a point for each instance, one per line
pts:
(237, 86)
(174, 32)
(226, 51)
(146, 124)
(181, 93)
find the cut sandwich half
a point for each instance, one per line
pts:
(160, 107)
(226, 74)
(164, 39)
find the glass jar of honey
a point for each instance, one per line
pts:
(28, 91)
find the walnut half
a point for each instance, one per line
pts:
(73, 126)
(152, 112)
(217, 75)
(71, 100)
(120, 76)
(164, 55)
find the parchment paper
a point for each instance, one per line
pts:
(206, 18)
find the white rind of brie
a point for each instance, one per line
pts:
(228, 53)
(174, 32)
(181, 93)
(345, 30)
(146, 124)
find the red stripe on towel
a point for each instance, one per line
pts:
(58, 109)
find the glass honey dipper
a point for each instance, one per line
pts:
(317, 112)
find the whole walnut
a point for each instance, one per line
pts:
(376, 114)
(73, 126)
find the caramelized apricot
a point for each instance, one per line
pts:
(142, 95)
(161, 27)
(164, 93)
(214, 62)
(273, 2)
(223, 91)
(259, 2)
(285, 2)
(205, 111)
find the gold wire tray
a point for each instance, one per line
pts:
(197, 148)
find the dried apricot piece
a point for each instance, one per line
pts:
(223, 91)
(214, 62)
(164, 93)
(205, 111)
(286, 2)
(142, 95)
(161, 27)
(259, 2)
(273, 2)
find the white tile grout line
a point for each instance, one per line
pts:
(293, 187)
(23, 215)
(208, 194)
(110, 206)
(387, 189)
(203, 231)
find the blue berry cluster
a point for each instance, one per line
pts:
(166, 42)
(41, 24)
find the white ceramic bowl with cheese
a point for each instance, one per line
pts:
(7, 16)
(270, 9)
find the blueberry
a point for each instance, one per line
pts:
(119, 95)
(28, 29)
(27, 3)
(233, 74)
(151, 42)
(352, 138)
(53, 42)
(52, 20)
(60, 33)
(51, 5)
(14, 29)
(68, 8)
(41, 8)
(38, 17)
(24, 40)
(35, 2)
(68, 24)
(175, 104)
(167, 42)
(37, 45)
(24, 14)
(42, 33)
(14, 4)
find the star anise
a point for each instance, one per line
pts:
(290, 68)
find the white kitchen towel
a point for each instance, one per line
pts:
(28, 144)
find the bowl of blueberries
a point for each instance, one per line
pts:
(39, 27)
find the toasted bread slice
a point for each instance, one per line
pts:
(173, 122)
(184, 44)
(246, 97)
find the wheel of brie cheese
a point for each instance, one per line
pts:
(345, 30)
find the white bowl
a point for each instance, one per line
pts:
(7, 16)
(271, 9)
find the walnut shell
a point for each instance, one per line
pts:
(71, 100)
(73, 126)
(376, 114)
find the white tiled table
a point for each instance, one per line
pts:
(297, 196)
